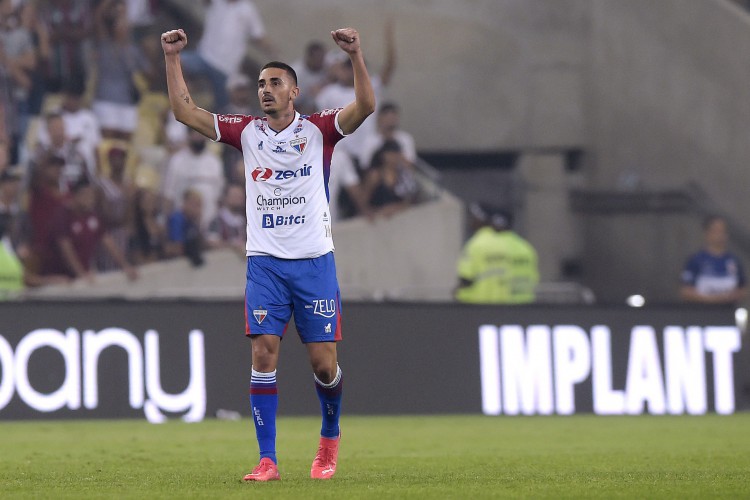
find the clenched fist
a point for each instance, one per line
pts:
(172, 42)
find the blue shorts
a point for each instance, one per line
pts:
(276, 288)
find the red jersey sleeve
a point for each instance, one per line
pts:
(229, 128)
(327, 123)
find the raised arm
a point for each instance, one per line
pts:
(185, 110)
(355, 113)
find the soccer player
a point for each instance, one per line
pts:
(290, 265)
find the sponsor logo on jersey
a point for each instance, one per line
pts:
(260, 315)
(230, 119)
(278, 149)
(328, 328)
(278, 202)
(260, 146)
(324, 307)
(303, 171)
(299, 144)
(327, 112)
(271, 221)
(261, 174)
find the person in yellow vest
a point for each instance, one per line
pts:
(11, 269)
(497, 266)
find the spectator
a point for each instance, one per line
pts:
(388, 129)
(31, 21)
(140, 16)
(115, 196)
(714, 275)
(497, 266)
(77, 233)
(341, 92)
(229, 227)
(11, 268)
(119, 63)
(19, 60)
(312, 76)
(62, 146)
(184, 236)
(345, 190)
(242, 101)
(390, 185)
(7, 113)
(80, 124)
(69, 24)
(149, 232)
(230, 24)
(46, 200)
(197, 168)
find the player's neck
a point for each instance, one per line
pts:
(281, 120)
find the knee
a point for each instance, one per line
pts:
(264, 357)
(325, 371)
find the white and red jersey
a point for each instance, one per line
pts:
(286, 176)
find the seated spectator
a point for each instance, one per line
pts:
(115, 195)
(61, 145)
(14, 224)
(714, 275)
(345, 190)
(46, 199)
(184, 236)
(229, 227)
(497, 266)
(199, 168)
(389, 184)
(312, 75)
(148, 233)
(80, 123)
(77, 232)
(388, 129)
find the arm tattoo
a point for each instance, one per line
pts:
(186, 98)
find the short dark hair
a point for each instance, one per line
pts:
(284, 66)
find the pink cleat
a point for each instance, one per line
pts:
(265, 471)
(324, 465)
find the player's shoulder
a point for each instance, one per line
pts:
(235, 119)
(320, 117)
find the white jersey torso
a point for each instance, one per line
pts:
(286, 182)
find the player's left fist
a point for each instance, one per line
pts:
(347, 39)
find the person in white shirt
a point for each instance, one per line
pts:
(341, 92)
(312, 76)
(198, 168)
(81, 124)
(230, 25)
(388, 129)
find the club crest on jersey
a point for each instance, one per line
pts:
(299, 144)
(260, 315)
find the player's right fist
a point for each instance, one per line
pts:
(172, 42)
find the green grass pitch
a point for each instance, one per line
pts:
(385, 457)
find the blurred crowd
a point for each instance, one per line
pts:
(97, 175)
